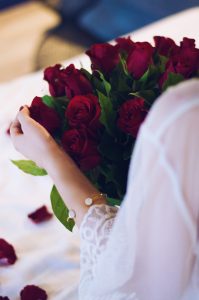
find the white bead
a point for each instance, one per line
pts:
(88, 201)
(71, 214)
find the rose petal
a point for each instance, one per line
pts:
(40, 215)
(33, 292)
(7, 253)
(4, 298)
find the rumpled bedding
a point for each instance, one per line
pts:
(48, 254)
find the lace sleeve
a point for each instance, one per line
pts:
(94, 234)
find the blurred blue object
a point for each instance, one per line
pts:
(7, 3)
(107, 19)
(113, 18)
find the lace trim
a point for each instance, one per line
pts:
(94, 233)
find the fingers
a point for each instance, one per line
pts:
(15, 128)
(23, 115)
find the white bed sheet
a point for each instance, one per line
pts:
(48, 255)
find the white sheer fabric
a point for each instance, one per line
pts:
(149, 249)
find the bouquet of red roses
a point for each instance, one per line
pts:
(95, 117)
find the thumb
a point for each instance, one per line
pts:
(23, 115)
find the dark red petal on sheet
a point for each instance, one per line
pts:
(7, 253)
(40, 215)
(33, 292)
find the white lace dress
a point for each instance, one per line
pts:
(148, 249)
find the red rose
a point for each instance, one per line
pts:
(165, 46)
(139, 59)
(104, 57)
(82, 149)
(125, 44)
(187, 43)
(54, 76)
(75, 82)
(44, 115)
(67, 81)
(83, 111)
(185, 62)
(131, 114)
(33, 292)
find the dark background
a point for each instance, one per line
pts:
(103, 20)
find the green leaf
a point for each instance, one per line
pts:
(124, 65)
(162, 63)
(29, 167)
(113, 201)
(120, 79)
(108, 115)
(49, 101)
(59, 104)
(148, 95)
(86, 74)
(172, 79)
(60, 210)
(106, 84)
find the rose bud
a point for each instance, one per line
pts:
(54, 77)
(187, 43)
(165, 46)
(125, 44)
(139, 59)
(75, 82)
(104, 57)
(131, 115)
(186, 62)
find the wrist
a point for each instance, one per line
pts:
(54, 156)
(64, 172)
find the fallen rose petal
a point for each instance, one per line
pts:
(7, 253)
(40, 215)
(4, 298)
(33, 292)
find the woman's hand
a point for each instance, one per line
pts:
(34, 142)
(32, 139)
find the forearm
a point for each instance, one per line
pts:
(72, 185)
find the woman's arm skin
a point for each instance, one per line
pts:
(34, 142)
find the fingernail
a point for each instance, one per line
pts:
(21, 108)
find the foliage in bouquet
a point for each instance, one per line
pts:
(95, 116)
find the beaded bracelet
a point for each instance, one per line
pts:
(88, 202)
